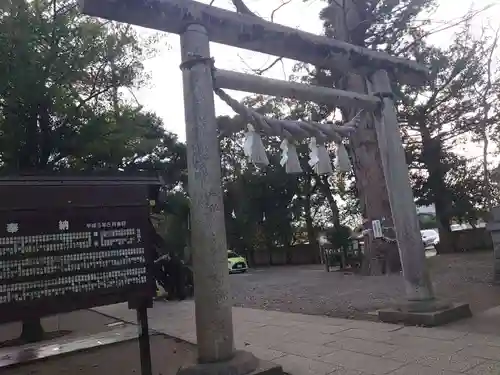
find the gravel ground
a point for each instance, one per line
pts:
(311, 290)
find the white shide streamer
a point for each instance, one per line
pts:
(289, 157)
(254, 148)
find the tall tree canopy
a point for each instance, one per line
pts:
(439, 117)
(63, 84)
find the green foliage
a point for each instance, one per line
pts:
(258, 203)
(174, 226)
(427, 221)
(340, 237)
(267, 208)
(63, 77)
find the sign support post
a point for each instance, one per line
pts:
(144, 345)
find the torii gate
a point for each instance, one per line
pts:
(198, 24)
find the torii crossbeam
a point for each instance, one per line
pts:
(254, 34)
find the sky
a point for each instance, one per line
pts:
(164, 96)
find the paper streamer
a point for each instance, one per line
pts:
(343, 162)
(289, 157)
(319, 159)
(254, 148)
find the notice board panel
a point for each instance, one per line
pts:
(66, 257)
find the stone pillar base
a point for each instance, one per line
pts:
(426, 313)
(243, 363)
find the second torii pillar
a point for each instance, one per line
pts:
(214, 325)
(421, 308)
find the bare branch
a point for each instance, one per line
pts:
(263, 70)
(283, 3)
(242, 8)
(468, 17)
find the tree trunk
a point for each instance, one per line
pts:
(364, 151)
(486, 172)
(311, 235)
(432, 157)
(443, 220)
(324, 186)
(370, 179)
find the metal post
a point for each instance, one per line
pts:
(214, 326)
(411, 250)
(144, 346)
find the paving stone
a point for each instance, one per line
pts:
(318, 319)
(412, 354)
(296, 319)
(303, 349)
(286, 323)
(454, 362)
(316, 345)
(479, 339)
(263, 353)
(373, 326)
(414, 369)
(487, 368)
(309, 337)
(270, 330)
(424, 342)
(257, 339)
(482, 351)
(432, 333)
(362, 362)
(321, 328)
(346, 371)
(362, 346)
(374, 336)
(304, 366)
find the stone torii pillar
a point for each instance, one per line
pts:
(214, 325)
(421, 308)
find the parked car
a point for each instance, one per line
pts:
(236, 263)
(430, 237)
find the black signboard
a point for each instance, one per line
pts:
(68, 244)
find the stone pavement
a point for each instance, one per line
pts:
(317, 345)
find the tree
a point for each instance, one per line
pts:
(259, 202)
(285, 201)
(488, 89)
(437, 118)
(383, 25)
(62, 106)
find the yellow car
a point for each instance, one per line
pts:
(236, 263)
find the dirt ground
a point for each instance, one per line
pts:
(168, 355)
(463, 277)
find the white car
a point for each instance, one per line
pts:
(430, 237)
